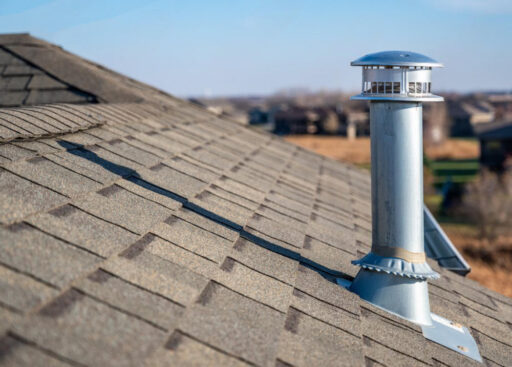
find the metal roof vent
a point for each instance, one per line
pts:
(393, 276)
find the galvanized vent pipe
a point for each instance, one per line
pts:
(394, 274)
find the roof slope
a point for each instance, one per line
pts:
(174, 237)
(82, 76)
(156, 233)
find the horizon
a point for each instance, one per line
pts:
(201, 49)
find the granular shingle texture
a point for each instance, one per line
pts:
(159, 234)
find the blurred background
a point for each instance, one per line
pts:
(283, 66)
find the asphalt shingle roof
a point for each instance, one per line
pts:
(158, 234)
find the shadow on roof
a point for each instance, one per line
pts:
(131, 175)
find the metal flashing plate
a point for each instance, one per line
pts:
(444, 332)
(453, 336)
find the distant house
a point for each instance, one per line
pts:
(258, 116)
(295, 120)
(465, 115)
(496, 145)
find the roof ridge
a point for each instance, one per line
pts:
(16, 125)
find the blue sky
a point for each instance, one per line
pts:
(259, 46)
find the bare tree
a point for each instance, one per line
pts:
(488, 203)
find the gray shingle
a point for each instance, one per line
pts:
(20, 198)
(234, 324)
(172, 180)
(117, 205)
(131, 152)
(276, 230)
(158, 275)
(264, 261)
(131, 299)
(84, 230)
(74, 326)
(22, 292)
(55, 177)
(193, 238)
(18, 353)
(45, 82)
(315, 285)
(181, 350)
(14, 83)
(307, 341)
(255, 285)
(42, 256)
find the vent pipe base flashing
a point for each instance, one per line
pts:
(396, 266)
(402, 296)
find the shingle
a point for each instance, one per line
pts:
(84, 230)
(46, 96)
(181, 350)
(492, 349)
(21, 69)
(18, 353)
(15, 153)
(19, 197)
(234, 198)
(14, 120)
(158, 275)
(96, 163)
(49, 124)
(151, 192)
(330, 257)
(7, 58)
(37, 146)
(55, 177)
(282, 218)
(160, 140)
(188, 166)
(131, 299)
(22, 292)
(307, 341)
(206, 223)
(74, 326)
(495, 326)
(128, 151)
(315, 285)
(183, 257)
(395, 336)
(288, 203)
(157, 151)
(234, 324)
(301, 217)
(222, 209)
(8, 316)
(45, 82)
(326, 312)
(172, 180)
(264, 261)
(193, 238)
(277, 230)
(42, 256)
(210, 159)
(255, 285)
(14, 83)
(13, 98)
(240, 189)
(119, 206)
(388, 357)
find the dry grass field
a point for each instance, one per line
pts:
(358, 151)
(491, 264)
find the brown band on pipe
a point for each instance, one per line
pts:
(390, 251)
